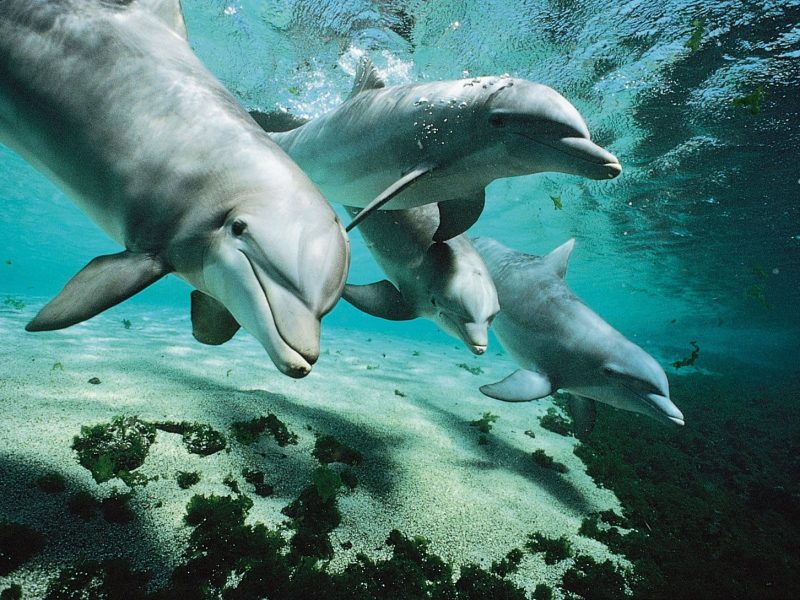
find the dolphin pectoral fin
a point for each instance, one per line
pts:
(456, 216)
(103, 283)
(389, 193)
(277, 120)
(381, 299)
(584, 415)
(168, 11)
(212, 324)
(520, 386)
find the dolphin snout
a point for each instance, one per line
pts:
(476, 337)
(665, 408)
(301, 298)
(296, 371)
(297, 325)
(594, 162)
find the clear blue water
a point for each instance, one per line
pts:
(699, 239)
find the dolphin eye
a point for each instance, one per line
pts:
(433, 300)
(238, 227)
(497, 121)
(608, 372)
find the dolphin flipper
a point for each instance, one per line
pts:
(381, 299)
(103, 283)
(212, 324)
(456, 216)
(389, 193)
(277, 120)
(520, 386)
(584, 415)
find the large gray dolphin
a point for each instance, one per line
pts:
(560, 343)
(443, 141)
(445, 282)
(107, 99)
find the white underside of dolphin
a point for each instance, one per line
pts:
(108, 100)
(560, 343)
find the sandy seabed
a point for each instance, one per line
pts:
(405, 405)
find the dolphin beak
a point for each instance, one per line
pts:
(258, 305)
(297, 298)
(475, 336)
(665, 409)
(594, 162)
(298, 326)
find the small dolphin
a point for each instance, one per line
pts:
(444, 141)
(560, 343)
(446, 282)
(107, 99)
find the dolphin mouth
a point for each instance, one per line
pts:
(462, 329)
(290, 359)
(595, 161)
(665, 409)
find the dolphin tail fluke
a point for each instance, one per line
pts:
(212, 323)
(389, 193)
(584, 415)
(103, 283)
(456, 216)
(381, 299)
(520, 386)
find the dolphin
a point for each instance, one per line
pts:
(560, 343)
(445, 282)
(442, 141)
(107, 99)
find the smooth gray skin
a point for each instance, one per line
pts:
(560, 343)
(108, 100)
(445, 282)
(442, 142)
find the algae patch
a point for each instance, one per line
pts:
(248, 432)
(198, 438)
(114, 449)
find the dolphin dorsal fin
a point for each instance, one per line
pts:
(557, 259)
(168, 11)
(367, 78)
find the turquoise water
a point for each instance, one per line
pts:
(697, 240)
